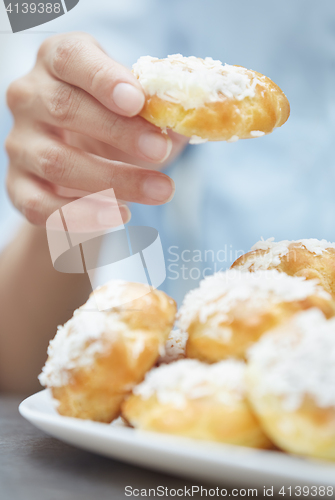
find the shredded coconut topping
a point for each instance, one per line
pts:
(191, 379)
(115, 294)
(234, 138)
(192, 81)
(197, 140)
(276, 250)
(77, 344)
(257, 133)
(174, 347)
(219, 293)
(297, 360)
(89, 333)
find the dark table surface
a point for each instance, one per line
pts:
(35, 466)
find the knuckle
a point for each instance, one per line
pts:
(11, 95)
(45, 47)
(9, 186)
(66, 51)
(110, 178)
(17, 93)
(100, 74)
(60, 40)
(111, 126)
(52, 162)
(83, 35)
(32, 209)
(106, 180)
(60, 104)
(10, 145)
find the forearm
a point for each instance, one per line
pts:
(71, 135)
(34, 299)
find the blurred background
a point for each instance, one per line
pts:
(227, 195)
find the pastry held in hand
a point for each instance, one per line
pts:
(291, 384)
(311, 258)
(97, 357)
(193, 399)
(206, 100)
(232, 310)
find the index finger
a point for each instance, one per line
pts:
(79, 60)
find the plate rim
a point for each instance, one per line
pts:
(248, 463)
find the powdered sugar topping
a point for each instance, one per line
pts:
(192, 81)
(191, 379)
(296, 361)
(219, 293)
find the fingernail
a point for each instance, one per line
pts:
(110, 217)
(156, 147)
(158, 188)
(128, 98)
(125, 213)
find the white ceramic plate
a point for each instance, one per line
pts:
(204, 461)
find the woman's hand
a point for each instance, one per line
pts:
(76, 131)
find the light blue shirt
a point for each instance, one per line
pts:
(228, 195)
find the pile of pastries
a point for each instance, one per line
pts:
(251, 360)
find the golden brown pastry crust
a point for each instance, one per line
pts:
(224, 119)
(308, 431)
(290, 379)
(299, 262)
(96, 391)
(244, 326)
(202, 418)
(193, 399)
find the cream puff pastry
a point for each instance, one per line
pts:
(291, 384)
(97, 357)
(311, 258)
(196, 400)
(207, 100)
(232, 310)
